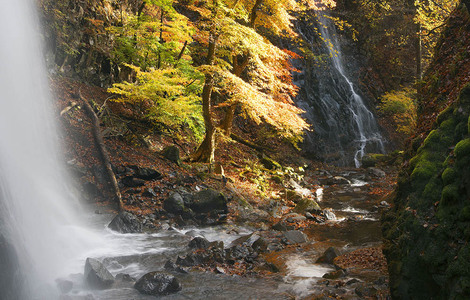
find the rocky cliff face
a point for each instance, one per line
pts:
(76, 41)
(427, 230)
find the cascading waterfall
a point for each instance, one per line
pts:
(342, 122)
(36, 207)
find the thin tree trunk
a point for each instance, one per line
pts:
(103, 153)
(180, 55)
(205, 152)
(159, 64)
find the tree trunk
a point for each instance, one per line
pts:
(103, 153)
(227, 122)
(205, 152)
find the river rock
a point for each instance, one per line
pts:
(295, 237)
(328, 256)
(199, 243)
(174, 204)
(307, 205)
(172, 153)
(335, 274)
(173, 267)
(96, 274)
(209, 200)
(125, 222)
(376, 172)
(157, 284)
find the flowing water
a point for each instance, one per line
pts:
(44, 222)
(344, 128)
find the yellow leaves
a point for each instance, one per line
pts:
(173, 97)
(401, 106)
(258, 106)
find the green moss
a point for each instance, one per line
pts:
(449, 175)
(431, 192)
(450, 194)
(462, 148)
(445, 114)
(422, 173)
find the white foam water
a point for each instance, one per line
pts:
(38, 212)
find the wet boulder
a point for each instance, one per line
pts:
(157, 284)
(174, 204)
(199, 243)
(96, 274)
(294, 237)
(209, 200)
(328, 256)
(125, 222)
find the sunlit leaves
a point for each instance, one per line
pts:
(169, 98)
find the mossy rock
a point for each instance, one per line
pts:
(172, 153)
(307, 205)
(450, 194)
(462, 148)
(449, 175)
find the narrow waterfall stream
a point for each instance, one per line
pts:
(342, 122)
(51, 235)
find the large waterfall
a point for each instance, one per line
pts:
(344, 127)
(36, 207)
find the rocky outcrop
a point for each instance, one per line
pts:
(125, 222)
(157, 284)
(96, 274)
(427, 228)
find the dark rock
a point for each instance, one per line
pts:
(171, 266)
(376, 172)
(172, 153)
(96, 274)
(209, 200)
(260, 245)
(199, 243)
(157, 284)
(335, 274)
(295, 237)
(281, 226)
(334, 180)
(64, 285)
(125, 222)
(149, 193)
(174, 204)
(131, 181)
(328, 256)
(189, 260)
(147, 173)
(366, 291)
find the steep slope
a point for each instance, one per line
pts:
(428, 229)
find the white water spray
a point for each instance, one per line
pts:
(37, 210)
(366, 126)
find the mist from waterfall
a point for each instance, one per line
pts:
(38, 211)
(342, 122)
